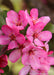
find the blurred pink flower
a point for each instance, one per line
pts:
(3, 62)
(10, 37)
(16, 20)
(37, 58)
(33, 18)
(28, 69)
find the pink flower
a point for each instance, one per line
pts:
(10, 37)
(29, 70)
(36, 35)
(17, 53)
(3, 62)
(33, 18)
(16, 20)
(37, 58)
(31, 56)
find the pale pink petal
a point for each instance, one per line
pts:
(20, 27)
(4, 40)
(14, 55)
(13, 16)
(12, 45)
(38, 27)
(24, 70)
(51, 60)
(47, 47)
(28, 18)
(20, 38)
(34, 13)
(45, 35)
(9, 23)
(34, 62)
(30, 38)
(6, 30)
(1, 71)
(44, 19)
(3, 61)
(30, 31)
(33, 72)
(44, 64)
(25, 59)
(38, 42)
(40, 53)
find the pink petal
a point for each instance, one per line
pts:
(20, 27)
(4, 40)
(9, 23)
(12, 45)
(47, 47)
(3, 61)
(51, 60)
(24, 70)
(44, 19)
(13, 16)
(14, 55)
(50, 52)
(1, 71)
(38, 42)
(28, 18)
(30, 38)
(38, 27)
(25, 59)
(23, 19)
(45, 35)
(34, 13)
(34, 62)
(6, 30)
(20, 38)
(30, 31)
(40, 53)
(33, 72)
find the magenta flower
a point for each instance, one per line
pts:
(3, 62)
(16, 20)
(36, 35)
(28, 69)
(10, 37)
(33, 18)
(17, 53)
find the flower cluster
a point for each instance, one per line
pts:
(32, 47)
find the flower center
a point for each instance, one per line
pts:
(12, 37)
(35, 35)
(19, 24)
(31, 52)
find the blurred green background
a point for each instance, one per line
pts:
(44, 9)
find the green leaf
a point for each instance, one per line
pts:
(49, 27)
(3, 15)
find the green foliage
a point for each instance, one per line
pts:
(6, 70)
(49, 27)
(3, 15)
